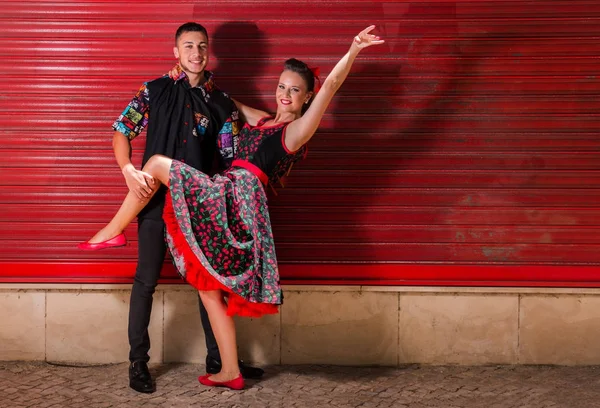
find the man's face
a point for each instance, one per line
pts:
(192, 52)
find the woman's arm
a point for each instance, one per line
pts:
(301, 130)
(249, 115)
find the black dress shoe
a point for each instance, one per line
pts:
(140, 378)
(213, 366)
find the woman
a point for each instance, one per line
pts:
(218, 228)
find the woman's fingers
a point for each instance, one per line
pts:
(174, 72)
(368, 29)
(364, 39)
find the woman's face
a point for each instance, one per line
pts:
(291, 92)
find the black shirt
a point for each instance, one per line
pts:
(184, 123)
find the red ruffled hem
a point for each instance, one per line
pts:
(201, 279)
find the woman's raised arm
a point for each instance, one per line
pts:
(301, 130)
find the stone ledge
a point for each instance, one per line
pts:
(18, 287)
(342, 325)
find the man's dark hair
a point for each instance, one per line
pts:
(190, 27)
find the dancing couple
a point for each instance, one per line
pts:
(217, 228)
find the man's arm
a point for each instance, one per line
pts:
(138, 182)
(127, 127)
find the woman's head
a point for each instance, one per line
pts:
(296, 87)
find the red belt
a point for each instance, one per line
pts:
(245, 164)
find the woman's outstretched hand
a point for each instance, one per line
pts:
(364, 39)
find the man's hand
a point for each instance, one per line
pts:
(140, 183)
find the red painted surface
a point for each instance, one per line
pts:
(465, 151)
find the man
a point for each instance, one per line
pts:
(186, 118)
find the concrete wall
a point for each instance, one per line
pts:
(348, 325)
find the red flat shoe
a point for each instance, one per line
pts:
(117, 241)
(235, 384)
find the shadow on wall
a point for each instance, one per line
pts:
(241, 52)
(413, 107)
(405, 104)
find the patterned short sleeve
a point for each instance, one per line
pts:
(135, 116)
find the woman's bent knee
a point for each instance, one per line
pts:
(158, 166)
(153, 162)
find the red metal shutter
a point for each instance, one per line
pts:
(463, 151)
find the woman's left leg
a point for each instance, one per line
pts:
(158, 166)
(224, 329)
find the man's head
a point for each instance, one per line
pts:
(191, 48)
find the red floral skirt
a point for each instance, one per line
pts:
(214, 252)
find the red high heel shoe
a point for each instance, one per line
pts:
(117, 241)
(235, 384)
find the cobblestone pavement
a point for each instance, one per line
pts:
(44, 385)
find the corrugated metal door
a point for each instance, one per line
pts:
(464, 151)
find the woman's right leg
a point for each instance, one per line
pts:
(224, 329)
(158, 166)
